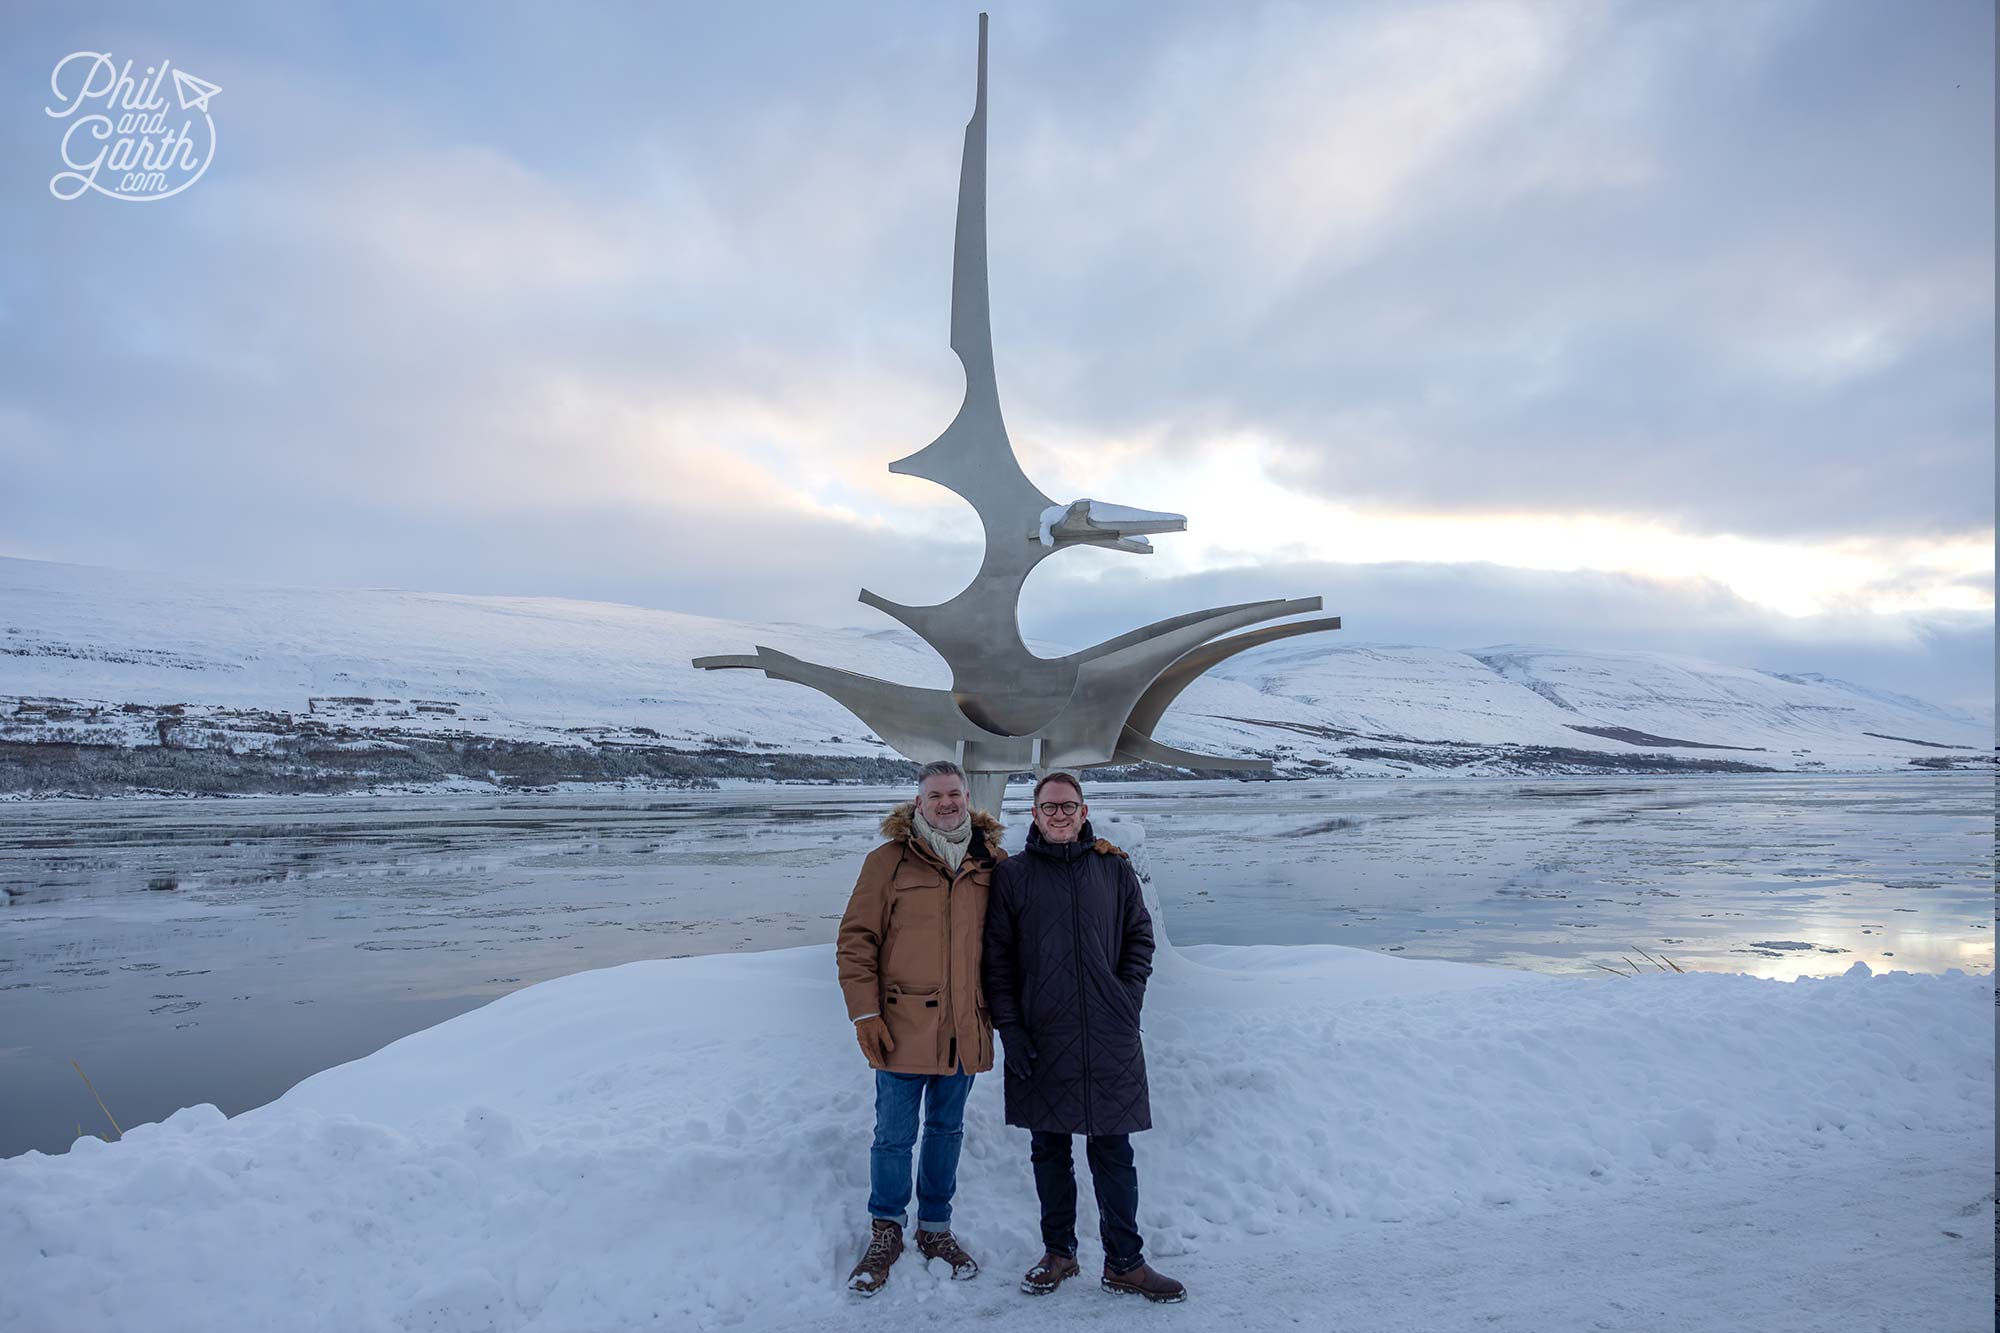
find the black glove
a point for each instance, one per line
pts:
(1020, 1051)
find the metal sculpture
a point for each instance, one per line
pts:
(1007, 709)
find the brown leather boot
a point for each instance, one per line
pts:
(1049, 1272)
(1144, 1281)
(943, 1245)
(885, 1246)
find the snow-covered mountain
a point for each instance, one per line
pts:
(100, 656)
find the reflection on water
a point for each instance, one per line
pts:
(1777, 876)
(219, 951)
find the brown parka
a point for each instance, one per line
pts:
(909, 947)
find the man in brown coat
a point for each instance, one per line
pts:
(909, 949)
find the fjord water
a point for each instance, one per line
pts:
(219, 951)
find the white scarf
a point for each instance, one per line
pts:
(950, 847)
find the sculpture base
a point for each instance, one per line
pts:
(986, 791)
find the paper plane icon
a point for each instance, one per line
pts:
(194, 93)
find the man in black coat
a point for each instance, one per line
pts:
(1069, 945)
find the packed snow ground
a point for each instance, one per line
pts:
(1345, 1140)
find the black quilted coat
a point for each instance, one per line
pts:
(1069, 946)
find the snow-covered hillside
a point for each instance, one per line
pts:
(101, 656)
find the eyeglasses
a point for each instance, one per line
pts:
(1059, 807)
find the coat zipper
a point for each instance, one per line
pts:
(950, 1016)
(1082, 1000)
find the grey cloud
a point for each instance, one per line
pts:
(1643, 344)
(1582, 298)
(1576, 300)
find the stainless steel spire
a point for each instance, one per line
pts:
(1007, 708)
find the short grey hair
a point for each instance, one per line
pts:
(940, 768)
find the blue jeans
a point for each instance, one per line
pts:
(896, 1098)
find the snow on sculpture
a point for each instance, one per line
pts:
(1007, 709)
(1083, 518)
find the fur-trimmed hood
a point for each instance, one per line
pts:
(900, 823)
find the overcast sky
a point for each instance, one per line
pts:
(1646, 325)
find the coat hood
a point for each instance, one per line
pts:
(900, 824)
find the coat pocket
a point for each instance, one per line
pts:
(1118, 996)
(914, 947)
(914, 1017)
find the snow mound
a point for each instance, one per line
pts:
(684, 1143)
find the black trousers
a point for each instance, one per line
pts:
(1114, 1178)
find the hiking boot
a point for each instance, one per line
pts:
(1048, 1273)
(943, 1245)
(885, 1246)
(1143, 1281)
